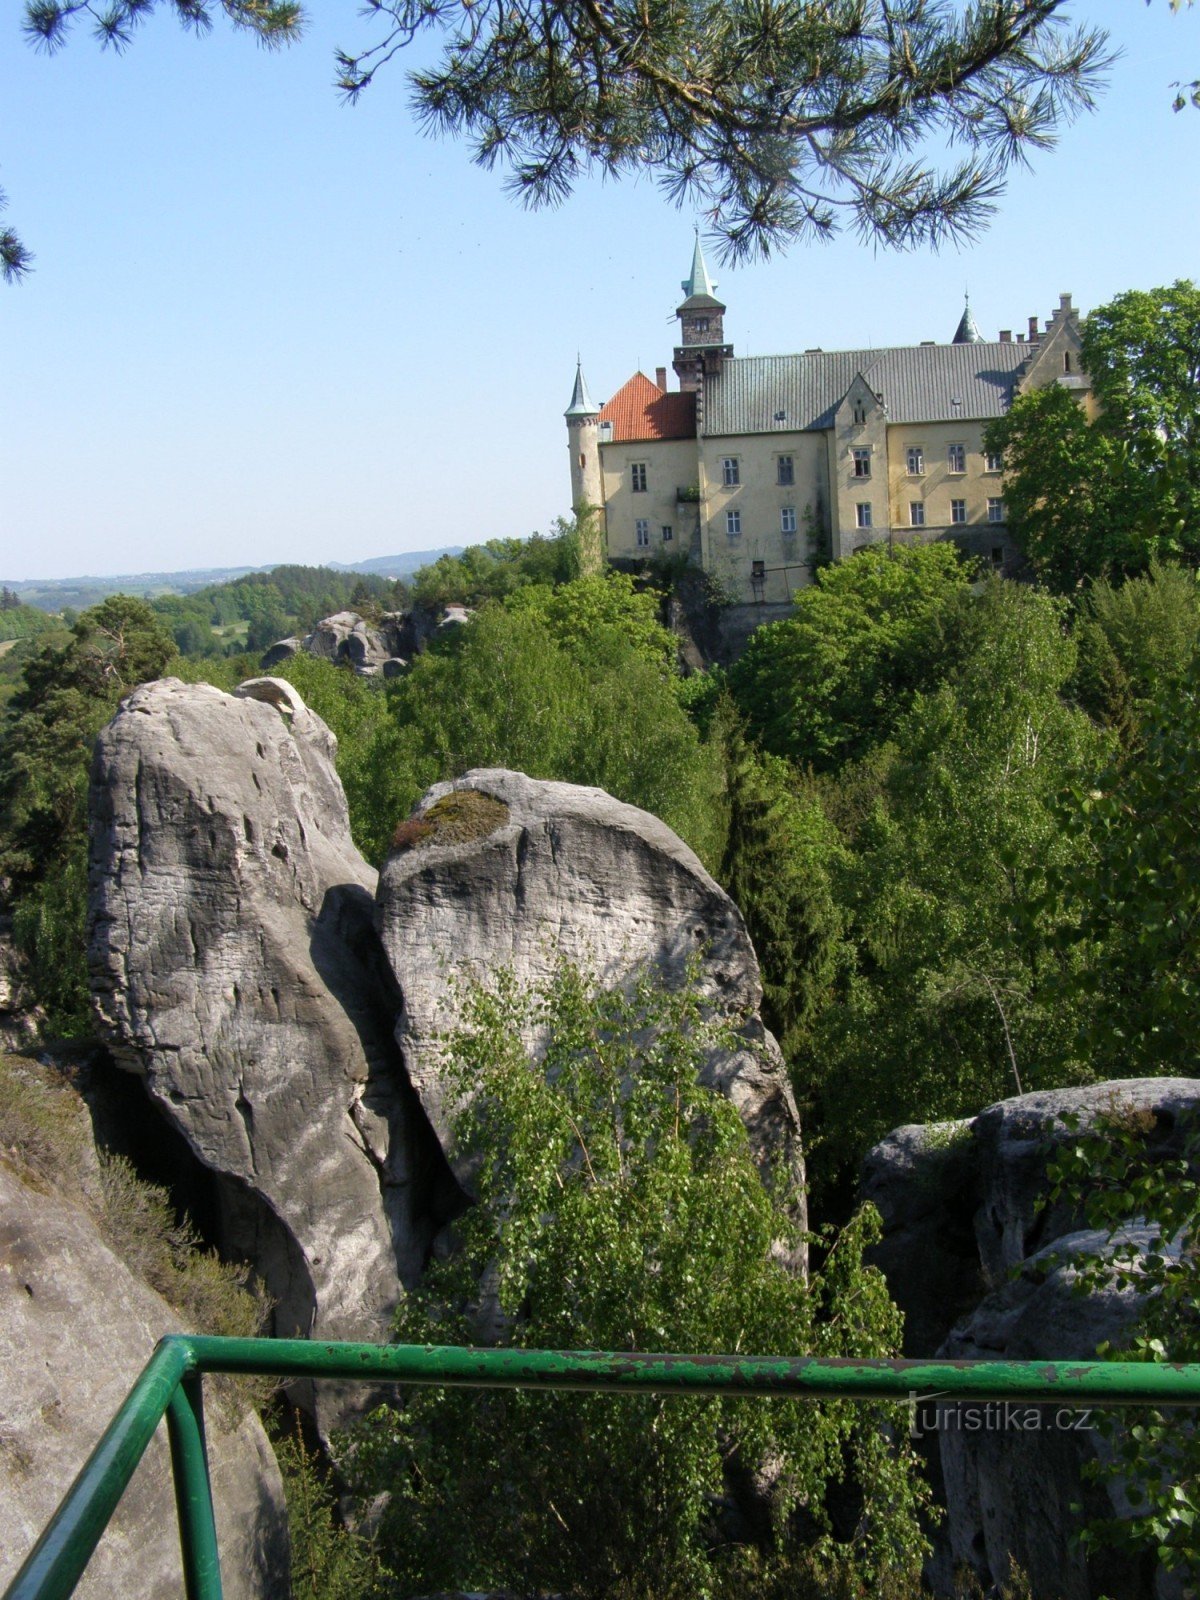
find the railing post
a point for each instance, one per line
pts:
(193, 1491)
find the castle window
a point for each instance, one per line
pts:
(786, 473)
(637, 473)
(700, 324)
(958, 511)
(862, 514)
(916, 513)
(860, 413)
(733, 523)
(915, 461)
(995, 510)
(643, 531)
(1066, 361)
(731, 472)
(956, 458)
(787, 519)
(666, 532)
(994, 461)
(862, 463)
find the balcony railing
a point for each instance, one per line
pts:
(171, 1386)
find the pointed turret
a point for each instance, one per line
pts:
(702, 348)
(583, 441)
(582, 404)
(968, 332)
(698, 280)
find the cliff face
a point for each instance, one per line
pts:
(977, 1255)
(76, 1328)
(285, 1021)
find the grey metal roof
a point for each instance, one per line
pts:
(968, 329)
(698, 281)
(919, 383)
(582, 404)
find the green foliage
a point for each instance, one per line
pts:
(1107, 497)
(574, 683)
(329, 1560)
(492, 570)
(69, 692)
(618, 1207)
(946, 1006)
(868, 635)
(1143, 1195)
(779, 124)
(1134, 641)
(23, 622)
(778, 868)
(1127, 896)
(1064, 488)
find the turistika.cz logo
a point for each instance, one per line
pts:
(992, 1416)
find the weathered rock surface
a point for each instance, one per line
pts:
(971, 1248)
(570, 872)
(76, 1327)
(236, 970)
(20, 1018)
(380, 649)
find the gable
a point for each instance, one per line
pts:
(640, 410)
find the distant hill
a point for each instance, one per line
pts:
(401, 566)
(55, 594)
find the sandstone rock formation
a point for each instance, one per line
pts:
(371, 649)
(974, 1251)
(76, 1327)
(235, 969)
(501, 870)
(238, 970)
(20, 1018)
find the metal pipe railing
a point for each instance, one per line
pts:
(170, 1386)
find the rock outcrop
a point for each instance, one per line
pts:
(236, 970)
(500, 870)
(20, 1017)
(976, 1255)
(372, 649)
(76, 1327)
(286, 1025)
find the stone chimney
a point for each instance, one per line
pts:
(660, 377)
(1033, 331)
(1005, 335)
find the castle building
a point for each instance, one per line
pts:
(757, 466)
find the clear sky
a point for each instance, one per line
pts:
(266, 326)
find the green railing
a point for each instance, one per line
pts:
(170, 1386)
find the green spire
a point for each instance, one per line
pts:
(581, 401)
(699, 282)
(967, 332)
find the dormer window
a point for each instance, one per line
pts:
(860, 413)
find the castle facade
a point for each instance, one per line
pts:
(755, 467)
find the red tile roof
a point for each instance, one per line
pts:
(641, 410)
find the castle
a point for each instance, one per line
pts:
(758, 465)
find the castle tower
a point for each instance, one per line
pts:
(702, 331)
(583, 439)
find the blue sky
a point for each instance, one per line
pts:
(265, 326)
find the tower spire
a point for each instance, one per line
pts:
(698, 281)
(581, 404)
(967, 331)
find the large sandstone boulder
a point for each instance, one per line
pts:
(500, 870)
(977, 1255)
(236, 970)
(76, 1327)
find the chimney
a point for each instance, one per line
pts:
(1064, 304)
(660, 377)
(1033, 330)
(1005, 335)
